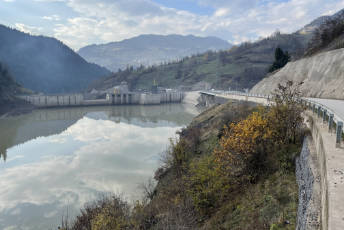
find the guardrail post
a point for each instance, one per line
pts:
(324, 115)
(319, 110)
(313, 108)
(330, 122)
(339, 133)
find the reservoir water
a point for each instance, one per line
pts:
(54, 161)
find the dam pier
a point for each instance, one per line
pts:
(119, 95)
(45, 101)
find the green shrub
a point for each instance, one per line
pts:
(177, 156)
(207, 187)
(104, 214)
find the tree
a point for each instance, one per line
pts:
(285, 115)
(281, 59)
(327, 33)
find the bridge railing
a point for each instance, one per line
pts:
(333, 120)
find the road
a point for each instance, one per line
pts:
(337, 106)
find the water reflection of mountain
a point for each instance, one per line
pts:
(20, 129)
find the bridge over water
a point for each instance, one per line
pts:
(326, 127)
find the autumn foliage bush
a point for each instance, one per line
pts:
(261, 144)
(243, 147)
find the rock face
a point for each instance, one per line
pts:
(322, 74)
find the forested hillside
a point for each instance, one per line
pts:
(45, 64)
(149, 49)
(8, 89)
(328, 36)
(240, 67)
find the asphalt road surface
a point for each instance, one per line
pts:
(337, 106)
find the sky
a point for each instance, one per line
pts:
(83, 22)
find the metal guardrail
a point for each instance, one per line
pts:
(328, 116)
(322, 111)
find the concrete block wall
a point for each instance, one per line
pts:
(60, 100)
(96, 102)
(66, 100)
(72, 101)
(79, 98)
(55, 100)
(150, 99)
(51, 101)
(135, 99)
(42, 101)
(111, 99)
(123, 99)
(171, 97)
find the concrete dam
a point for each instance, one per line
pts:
(46, 101)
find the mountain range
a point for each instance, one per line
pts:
(238, 68)
(45, 64)
(149, 50)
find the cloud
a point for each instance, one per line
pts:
(235, 6)
(238, 20)
(28, 29)
(54, 17)
(50, 0)
(106, 21)
(221, 12)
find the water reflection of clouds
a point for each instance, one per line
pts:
(97, 156)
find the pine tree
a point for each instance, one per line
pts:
(281, 59)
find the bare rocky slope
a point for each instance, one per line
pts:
(322, 74)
